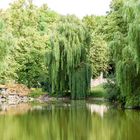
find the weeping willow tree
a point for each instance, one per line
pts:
(127, 54)
(68, 66)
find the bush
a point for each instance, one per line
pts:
(37, 92)
(133, 101)
(113, 91)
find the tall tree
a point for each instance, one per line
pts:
(99, 52)
(126, 50)
(6, 46)
(68, 65)
(30, 43)
(47, 18)
(98, 56)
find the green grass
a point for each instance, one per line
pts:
(36, 92)
(98, 92)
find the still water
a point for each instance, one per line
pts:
(74, 120)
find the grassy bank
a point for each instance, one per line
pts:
(98, 92)
(36, 92)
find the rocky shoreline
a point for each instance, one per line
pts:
(14, 99)
(14, 94)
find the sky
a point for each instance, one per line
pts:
(78, 7)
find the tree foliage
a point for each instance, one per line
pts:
(125, 48)
(99, 52)
(68, 65)
(6, 46)
(99, 56)
(29, 26)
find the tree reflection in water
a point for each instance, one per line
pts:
(76, 120)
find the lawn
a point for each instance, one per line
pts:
(98, 92)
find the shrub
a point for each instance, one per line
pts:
(36, 92)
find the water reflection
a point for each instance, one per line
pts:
(72, 121)
(6, 109)
(99, 109)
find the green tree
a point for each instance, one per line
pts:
(47, 18)
(68, 65)
(125, 47)
(6, 46)
(30, 44)
(99, 52)
(98, 56)
(128, 74)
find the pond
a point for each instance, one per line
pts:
(72, 120)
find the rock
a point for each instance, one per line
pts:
(2, 99)
(30, 99)
(14, 99)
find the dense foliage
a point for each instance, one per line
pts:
(28, 27)
(67, 59)
(40, 47)
(6, 47)
(99, 52)
(124, 20)
(26, 36)
(128, 65)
